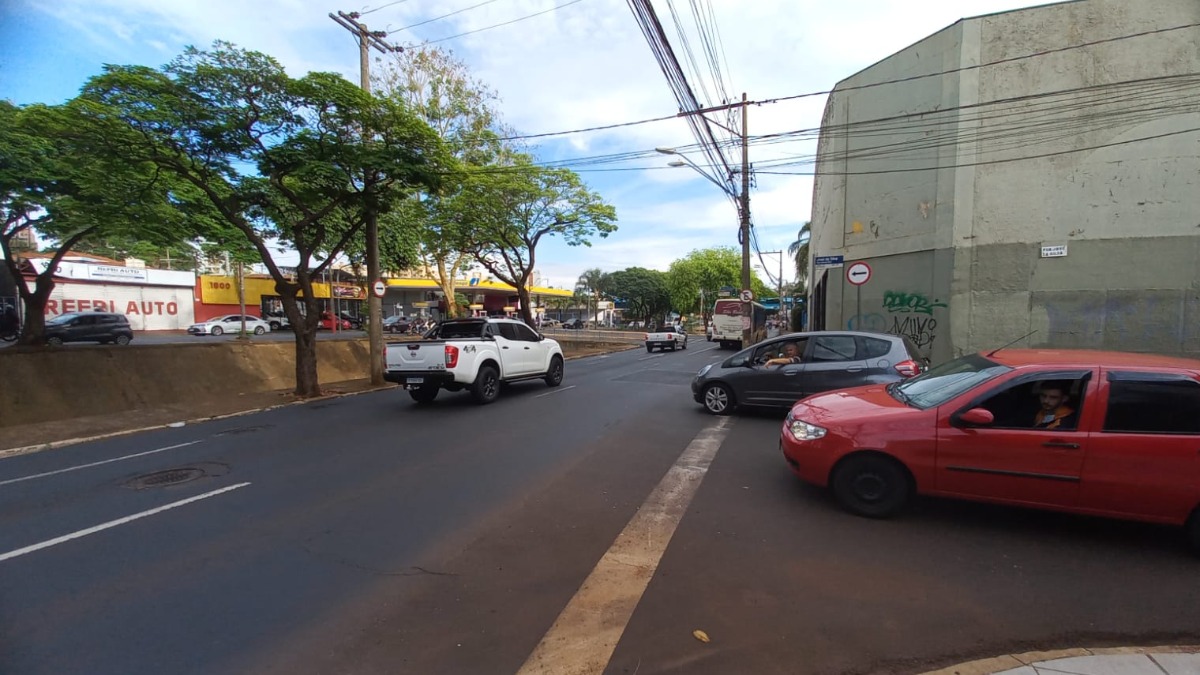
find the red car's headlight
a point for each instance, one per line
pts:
(803, 431)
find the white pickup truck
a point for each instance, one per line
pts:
(670, 336)
(472, 354)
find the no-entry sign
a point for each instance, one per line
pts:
(858, 274)
(379, 288)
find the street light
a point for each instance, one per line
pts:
(742, 202)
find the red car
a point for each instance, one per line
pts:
(1097, 433)
(327, 322)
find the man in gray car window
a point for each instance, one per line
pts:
(791, 354)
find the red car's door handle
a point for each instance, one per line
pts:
(1060, 444)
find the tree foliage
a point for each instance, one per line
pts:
(511, 209)
(798, 249)
(298, 160)
(644, 293)
(58, 178)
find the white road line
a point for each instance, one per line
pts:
(585, 634)
(556, 391)
(106, 461)
(113, 523)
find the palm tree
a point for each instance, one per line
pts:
(589, 283)
(799, 250)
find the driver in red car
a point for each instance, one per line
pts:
(1053, 412)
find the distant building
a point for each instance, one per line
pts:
(1033, 170)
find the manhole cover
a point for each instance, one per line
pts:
(165, 478)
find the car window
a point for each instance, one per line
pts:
(457, 329)
(833, 348)
(507, 331)
(873, 348)
(1051, 402)
(938, 385)
(84, 320)
(526, 333)
(1153, 406)
(110, 318)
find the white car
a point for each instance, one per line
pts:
(230, 323)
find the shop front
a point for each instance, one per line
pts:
(217, 295)
(151, 299)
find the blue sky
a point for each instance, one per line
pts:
(585, 64)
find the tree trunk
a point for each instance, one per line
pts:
(305, 327)
(33, 328)
(526, 310)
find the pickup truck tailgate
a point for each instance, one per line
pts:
(415, 356)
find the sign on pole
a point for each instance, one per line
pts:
(747, 295)
(858, 274)
(379, 288)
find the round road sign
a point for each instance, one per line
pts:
(747, 295)
(858, 274)
(379, 288)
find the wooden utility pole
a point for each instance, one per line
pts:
(367, 39)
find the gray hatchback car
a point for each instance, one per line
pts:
(780, 371)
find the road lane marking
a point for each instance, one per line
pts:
(106, 461)
(556, 391)
(113, 523)
(585, 634)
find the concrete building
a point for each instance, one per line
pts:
(1033, 170)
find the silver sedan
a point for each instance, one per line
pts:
(230, 323)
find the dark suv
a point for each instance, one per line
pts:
(102, 327)
(785, 369)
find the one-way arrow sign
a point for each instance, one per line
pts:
(858, 274)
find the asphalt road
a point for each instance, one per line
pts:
(369, 535)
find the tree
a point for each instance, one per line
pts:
(799, 251)
(644, 292)
(590, 283)
(57, 180)
(439, 89)
(701, 274)
(513, 207)
(302, 161)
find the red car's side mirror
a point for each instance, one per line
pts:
(977, 417)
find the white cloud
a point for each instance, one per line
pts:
(584, 65)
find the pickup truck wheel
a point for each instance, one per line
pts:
(871, 486)
(684, 345)
(275, 325)
(423, 394)
(486, 386)
(554, 375)
(649, 349)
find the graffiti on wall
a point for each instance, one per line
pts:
(909, 303)
(907, 314)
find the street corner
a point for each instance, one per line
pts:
(1156, 660)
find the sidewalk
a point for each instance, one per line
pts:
(1183, 660)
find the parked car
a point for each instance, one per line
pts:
(1099, 433)
(396, 324)
(574, 324)
(355, 322)
(816, 362)
(550, 323)
(326, 322)
(102, 327)
(229, 323)
(277, 321)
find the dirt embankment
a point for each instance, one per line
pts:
(55, 394)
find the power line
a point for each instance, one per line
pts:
(368, 11)
(444, 16)
(506, 23)
(864, 86)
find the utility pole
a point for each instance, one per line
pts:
(747, 307)
(366, 40)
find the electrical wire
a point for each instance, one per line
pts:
(444, 16)
(390, 4)
(498, 25)
(863, 86)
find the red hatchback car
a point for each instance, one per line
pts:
(1098, 433)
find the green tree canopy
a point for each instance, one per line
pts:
(645, 293)
(298, 160)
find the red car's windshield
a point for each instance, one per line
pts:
(938, 385)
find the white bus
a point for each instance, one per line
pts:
(727, 323)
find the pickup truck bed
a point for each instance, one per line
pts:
(671, 338)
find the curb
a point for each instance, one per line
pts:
(54, 445)
(999, 664)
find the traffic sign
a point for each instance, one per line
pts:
(858, 274)
(379, 288)
(747, 295)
